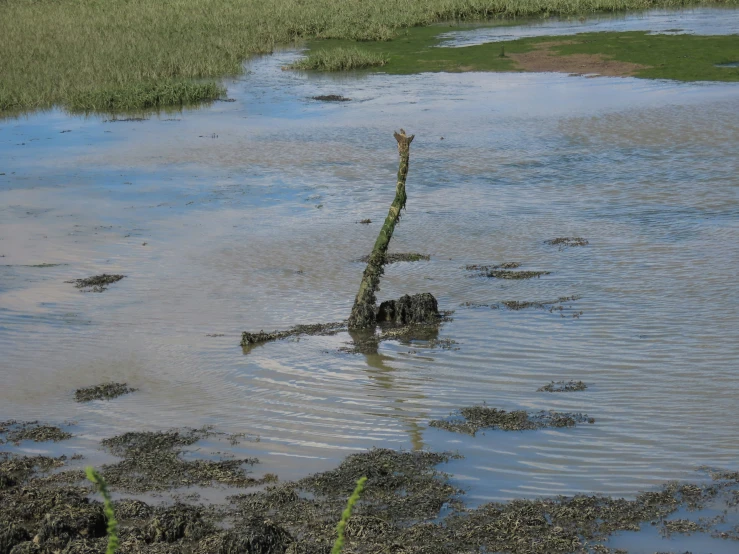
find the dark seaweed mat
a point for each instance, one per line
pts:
(104, 391)
(330, 98)
(504, 271)
(250, 339)
(17, 431)
(400, 257)
(97, 283)
(475, 418)
(563, 386)
(400, 512)
(154, 461)
(565, 242)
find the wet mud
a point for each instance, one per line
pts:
(16, 432)
(472, 419)
(399, 256)
(96, 283)
(563, 386)
(410, 505)
(104, 391)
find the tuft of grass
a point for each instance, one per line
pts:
(340, 59)
(143, 96)
(340, 528)
(94, 477)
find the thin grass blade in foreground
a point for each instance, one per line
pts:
(340, 59)
(339, 544)
(98, 480)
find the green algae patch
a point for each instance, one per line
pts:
(563, 386)
(679, 57)
(475, 418)
(18, 431)
(104, 391)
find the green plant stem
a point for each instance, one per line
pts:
(102, 486)
(339, 544)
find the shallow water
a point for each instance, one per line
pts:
(244, 216)
(695, 21)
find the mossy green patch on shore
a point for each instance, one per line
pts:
(680, 57)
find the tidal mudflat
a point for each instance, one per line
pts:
(244, 216)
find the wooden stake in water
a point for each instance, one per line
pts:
(363, 313)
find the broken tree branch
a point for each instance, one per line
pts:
(364, 312)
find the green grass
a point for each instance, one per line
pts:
(344, 58)
(112, 527)
(677, 57)
(81, 54)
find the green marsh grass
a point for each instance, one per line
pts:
(346, 514)
(340, 59)
(81, 54)
(94, 477)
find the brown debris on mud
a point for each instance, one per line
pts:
(96, 283)
(16, 432)
(543, 59)
(472, 419)
(563, 386)
(104, 391)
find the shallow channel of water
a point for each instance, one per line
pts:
(244, 216)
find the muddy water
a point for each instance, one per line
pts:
(244, 216)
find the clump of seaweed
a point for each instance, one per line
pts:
(400, 257)
(250, 339)
(565, 242)
(508, 274)
(104, 391)
(503, 271)
(154, 461)
(472, 419)
(486, 268)
(96, 283)
(330, 98)
(18, 431)
(563, 386)
(409, 506)
(366, 221)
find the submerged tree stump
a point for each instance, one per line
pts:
(364, 312)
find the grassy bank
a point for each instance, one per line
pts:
(135, 54)
(636, 53)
